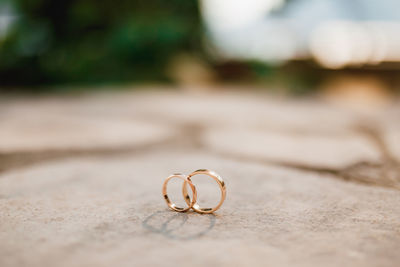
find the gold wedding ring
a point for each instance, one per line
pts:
(186, 181)
(192, 202)
(220, 182)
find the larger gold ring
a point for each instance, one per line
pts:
(213, 175)
(186, 181)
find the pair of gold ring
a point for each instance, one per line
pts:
(192, 202)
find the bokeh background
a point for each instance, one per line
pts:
(291, 46)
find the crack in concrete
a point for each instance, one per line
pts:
(368, 173)
(21, 159)
(385, 173)
(188, 137)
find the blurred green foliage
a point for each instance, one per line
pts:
(95, 41)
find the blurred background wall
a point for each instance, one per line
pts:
(298, 46)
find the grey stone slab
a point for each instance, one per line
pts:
(307, 149)
(34, 125)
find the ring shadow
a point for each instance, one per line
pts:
(172, 232)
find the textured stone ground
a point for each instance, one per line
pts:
(308, 183)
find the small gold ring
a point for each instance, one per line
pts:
(186, 181)
(195, 206)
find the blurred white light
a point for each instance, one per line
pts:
(330, 45)
(390, 39)
(241, 29)
(231, 14)
(338, 44)
(380, 45)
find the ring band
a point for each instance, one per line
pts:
(187, 198)
(194, 205)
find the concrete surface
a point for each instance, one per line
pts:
(308, 183)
